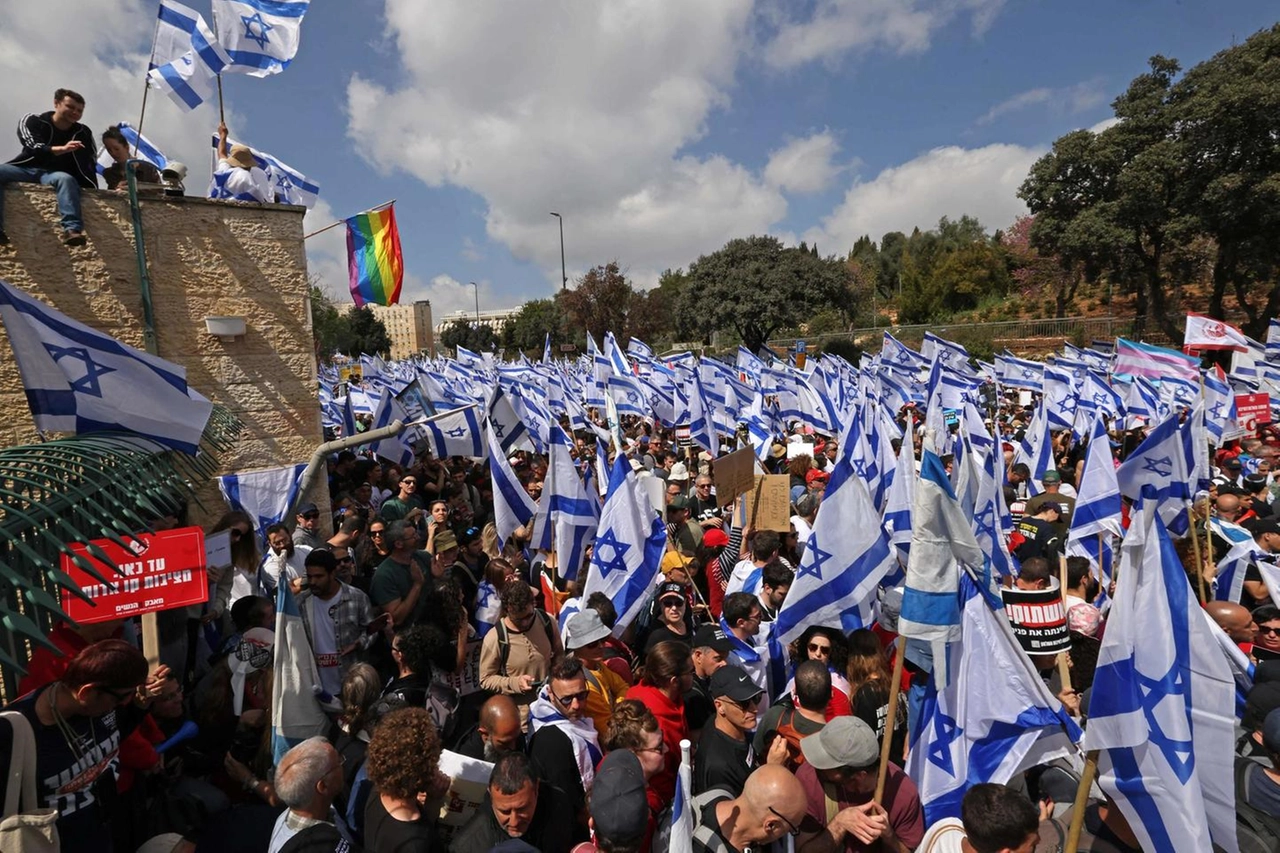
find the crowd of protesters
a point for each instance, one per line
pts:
(430, 639)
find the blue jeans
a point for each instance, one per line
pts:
(67, 187)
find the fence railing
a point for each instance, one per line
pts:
(1064, 328)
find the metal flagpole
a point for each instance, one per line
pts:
(146, 86)
(342, 221)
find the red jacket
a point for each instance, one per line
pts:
(662, 787)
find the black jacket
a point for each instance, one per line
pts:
(37, 135)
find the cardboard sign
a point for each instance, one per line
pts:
(468, 780)
(1038, 619)
(684, 436)
(799, 448)
(162, 571)
(769, 503)
(1253, 410)
(467, 680)
(735, 474)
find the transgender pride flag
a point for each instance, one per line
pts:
(1153, 362)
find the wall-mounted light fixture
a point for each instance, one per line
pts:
(225, 328)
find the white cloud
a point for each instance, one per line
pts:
(562, 123)
(804, 165)
(450, 297)
(950, 181)
(1104, 124)
(102, 54)
(1067, 100)
(471, 251)
(327, 252)
(899, 26)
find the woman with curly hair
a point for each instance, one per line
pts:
(634, 728)
(869, 681)
(402, 763)
(829, 646)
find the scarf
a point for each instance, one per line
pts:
(582, 733)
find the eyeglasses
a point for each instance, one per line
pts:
(819, 650)
(661, 748)
(703, 486)
(566, 701)
(1265, 629)
(792, 829)
(673, 602)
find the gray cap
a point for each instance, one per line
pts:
(584, 628)
(843, 742)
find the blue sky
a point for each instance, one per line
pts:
(659, 128)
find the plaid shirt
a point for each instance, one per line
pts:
(351, 616)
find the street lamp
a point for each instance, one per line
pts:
(564, 279)
(477, 287)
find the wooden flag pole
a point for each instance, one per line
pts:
(895, 689)
(343, 221)
(222, 118)
(1064, 667)
(1081, 803)
(146, 87)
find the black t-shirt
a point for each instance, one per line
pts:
(1039, 540)
(721, 762)
(385, 834)
(662, 634)
(552, 754)
(79, 784)
(698, 709)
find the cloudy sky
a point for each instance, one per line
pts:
(659, 128)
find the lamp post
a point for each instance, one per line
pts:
(477, 287)
(564, 279)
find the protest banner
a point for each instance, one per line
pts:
(734, 475)
(159, 571)
(1038, 619)
(769, 504)
(1253, 410)
(468, 779)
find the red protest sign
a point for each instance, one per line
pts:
(162, 571)
(1252, 410)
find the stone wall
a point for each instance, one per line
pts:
(205, 259)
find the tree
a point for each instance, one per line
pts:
(958, 281)
(527, 330)
(465, 333)
(757, 286)
(600, 302)
(365, 333)
(654, 315)
(328, 327)
(1035, 274)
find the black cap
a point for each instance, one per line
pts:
(307, 507)
(1232, 463)
(1259, 526)
(671, 588)
(733, 681)
(1255, 482)
(619, 808)
(709, 635)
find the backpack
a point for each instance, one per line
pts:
(1255, 829)
(504, 639)
(704, 835)
(786, 729)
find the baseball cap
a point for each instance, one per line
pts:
(712, 636)
(307, 507)
(1232, 463)
(1259, 526)
(1271, 731)
(1051, 477)
(733, 682)
(619, 809)
(843, 742)
(443, 541)
(814, 474)
(670, 588)
(715, 538)
(584, 628)
(678, 502)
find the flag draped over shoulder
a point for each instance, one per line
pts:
(185, 56)
(295, 711)
(1162, 711)
(630, 541)
(374, 263)
(265, 495)
(260, 36)
(79, 380)
(993, 721)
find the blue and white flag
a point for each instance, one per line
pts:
(1036, 450)
(1162, 710)
(1159, 470)
(683, 822)
(1272, 345)
(512, 506)
(79, 380)
(994, 720)
(626, 562)
(1242, 550)
(458, 433)
(575, 512)
(505, 424)
(396, 448)
(488, 608)
(265, 495)
(1060, 399)
(942, 541)
(1020, 373)
(288, 185)
(901, 496)
(296, 713)
(843, 562)
(1219, 405)
(1098, 506)
(185, 56)
(145, 149)
(260, 36)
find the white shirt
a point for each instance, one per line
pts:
(291, 568)
(803, 528)
(943, 837)
(324, 642)
(233, 182)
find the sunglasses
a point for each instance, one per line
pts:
(311, 516)
(408, 482)
(1263, 629)
(673, 602)
(376, 532)
(566, 701)
(819, 650)
(749, 705)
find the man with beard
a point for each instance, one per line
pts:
(285, 560)
(497, 732)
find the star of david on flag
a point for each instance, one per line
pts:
(79, 380)
(457, 433)
(260, 36)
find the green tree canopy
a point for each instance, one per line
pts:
(527, 330)
(465, 333)
(350, 333)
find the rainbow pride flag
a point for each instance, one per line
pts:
(373, 257)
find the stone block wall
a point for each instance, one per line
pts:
(205, 258)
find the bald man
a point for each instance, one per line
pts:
(1234, 619)
(772, 805)
(497, 732)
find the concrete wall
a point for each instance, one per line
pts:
(206, 259)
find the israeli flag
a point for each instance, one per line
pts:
(942, 541)
(994, 720)
(296, 713)
(1160, 471)
(265, 494)
(260, 36)
(1060, 399)
(682, 819)
(1232, 567)
(186, 58)
(575, 511)
(1219, 405)
(1273, 341)
(1036, 450)
(146, 150)
(900, 498)
(1020, 373)
(457, 433)
(288, 185)
(512, 506)
(843, 562)
(626, 562)
(78, 380)
(1098, 505)
(397, 448)
(1162, 711)
(505, 425)
(488, 608)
